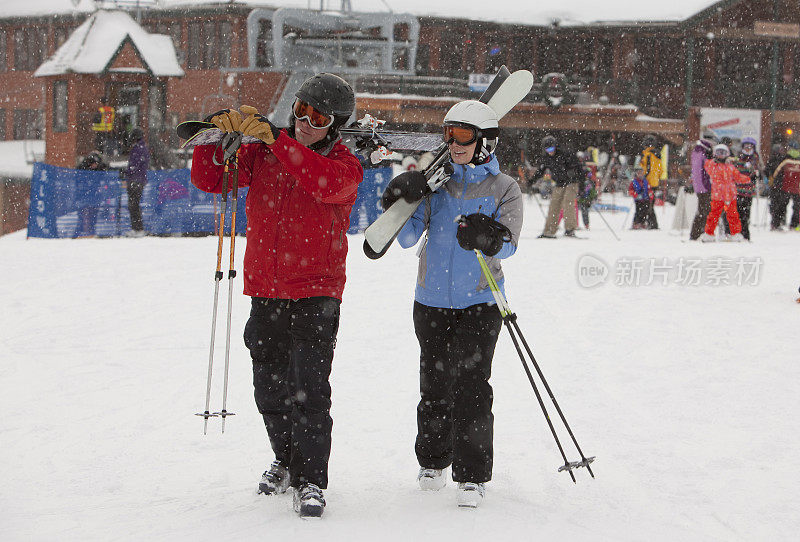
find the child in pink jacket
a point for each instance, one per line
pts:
(724, 178)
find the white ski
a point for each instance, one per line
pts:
(505, 92)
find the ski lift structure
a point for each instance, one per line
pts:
(343, 42)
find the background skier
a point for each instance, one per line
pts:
(639, 190)
(455, 317)
(783, 171)
(724, 178)
(747, 162)
(566, 171)
(653, 168)
(303, 184)
(136, 179)
(701, 184)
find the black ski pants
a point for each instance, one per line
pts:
(703, 208)
(642, 212)
(778, 202)
(291, 344)
(744, 204)
(455, 423)
(135, 190)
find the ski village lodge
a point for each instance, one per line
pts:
(160, 62)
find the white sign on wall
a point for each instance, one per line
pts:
(732, 123)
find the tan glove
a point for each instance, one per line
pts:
(227, 120)
(258, 126)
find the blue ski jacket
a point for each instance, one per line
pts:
(449, 276)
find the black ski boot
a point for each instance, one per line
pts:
(275, 480)
(309, 501)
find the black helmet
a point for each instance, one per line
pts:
(549, 141)
(137, 134)
(649, 141)
(328, 93)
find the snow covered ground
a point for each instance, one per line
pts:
(687, 395)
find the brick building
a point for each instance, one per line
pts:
(619, 77)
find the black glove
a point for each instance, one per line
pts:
(409, 185)
(478, 231)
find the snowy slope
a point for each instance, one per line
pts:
(686, 394)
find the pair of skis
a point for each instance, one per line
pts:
(504, 92)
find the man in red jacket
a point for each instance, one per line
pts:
(302, 183)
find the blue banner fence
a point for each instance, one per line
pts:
(70, 203)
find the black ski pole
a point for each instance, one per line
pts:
(510, 319)
(584, 461)
(506, 318)
(606, 221)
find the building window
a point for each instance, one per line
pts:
(605, 60)
(60, 107)
(27, 124)
(225, 38)
(2, 124)
(667, 54)
(209, 45)
(3, 61)
(556, 56)
(192, 51)
(520, 56)
(60, 35)
(28, 49)
(495, 55)
(264, 52)
(423, 62)
(157, 108)
(450, 50)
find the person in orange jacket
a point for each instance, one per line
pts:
(724, 178)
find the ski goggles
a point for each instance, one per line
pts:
(316, 119)
(550, 150)
(721, 153)
(461, 135)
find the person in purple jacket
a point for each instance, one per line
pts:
(136, 176)
(702, 186)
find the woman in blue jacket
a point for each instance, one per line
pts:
(456, 319)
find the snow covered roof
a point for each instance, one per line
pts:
(17, 157)
(566, 12)
(93, 46)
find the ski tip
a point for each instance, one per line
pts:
(370, 253)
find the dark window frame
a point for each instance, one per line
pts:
(3, 50)
(60, 106)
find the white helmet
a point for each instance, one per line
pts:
(721, 151)
(483, 118)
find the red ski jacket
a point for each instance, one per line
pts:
(298, 213)
(724, 178)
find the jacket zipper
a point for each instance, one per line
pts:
(453, 245)
(282, 206)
